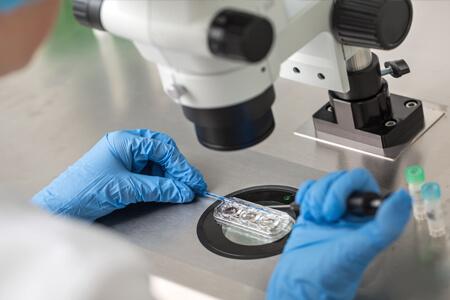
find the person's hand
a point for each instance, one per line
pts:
(328, 251)
(108, 176)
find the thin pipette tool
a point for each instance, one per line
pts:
(236, 200)
(357, 204)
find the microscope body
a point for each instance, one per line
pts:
(219, 59)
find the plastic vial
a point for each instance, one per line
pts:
(432, 195)
(415, 177)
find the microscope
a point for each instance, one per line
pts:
(219, 60)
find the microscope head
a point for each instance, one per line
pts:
(212, 60)
(219, 59)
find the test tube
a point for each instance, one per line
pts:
(435, 216)
(415, 177)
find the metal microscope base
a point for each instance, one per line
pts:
(432, 114)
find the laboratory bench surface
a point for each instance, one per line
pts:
(81, 86)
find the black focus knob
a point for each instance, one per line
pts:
(240, 36)
(379, 24)
(87, 13)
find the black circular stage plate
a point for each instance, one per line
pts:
(212, 237)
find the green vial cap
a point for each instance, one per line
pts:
(431, 191)
(415, 175)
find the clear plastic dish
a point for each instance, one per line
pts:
(266, 223)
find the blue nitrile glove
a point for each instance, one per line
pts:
(328, 251)
(9, 5)
(107, 177)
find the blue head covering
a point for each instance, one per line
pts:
(9, 5)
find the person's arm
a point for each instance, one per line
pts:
(123, 167)
(328, 250)
(24, 24)
(46, 258)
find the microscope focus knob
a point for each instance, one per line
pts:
(240, 36)
(379, 24)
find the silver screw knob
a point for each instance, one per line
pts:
(387, 71)
(390, 123)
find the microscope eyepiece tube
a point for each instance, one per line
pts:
(87, 13)
(234, 127)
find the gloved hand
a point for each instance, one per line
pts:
(328, 251)
(107, 177)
